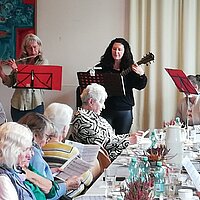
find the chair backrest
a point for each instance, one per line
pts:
(104, 160)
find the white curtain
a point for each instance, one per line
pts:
(170, 30)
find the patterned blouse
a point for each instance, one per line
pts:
(90, 128)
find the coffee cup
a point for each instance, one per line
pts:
(185, 194)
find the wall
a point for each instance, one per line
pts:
(75, 34)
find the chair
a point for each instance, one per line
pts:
(103, 158)
(103, 161)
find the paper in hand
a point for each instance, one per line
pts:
(73, 167)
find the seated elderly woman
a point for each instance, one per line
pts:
(89, 127)
(42, 129)
(15, 145)
(55, 151)
(188, 109)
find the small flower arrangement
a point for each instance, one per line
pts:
(138, 190)
(157, 154)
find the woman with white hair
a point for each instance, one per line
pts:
(25, 100)
(15, 148)
(188, 108)
(61, 115)
(89, 127)
(55, 151)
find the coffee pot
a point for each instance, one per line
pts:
(174, 142)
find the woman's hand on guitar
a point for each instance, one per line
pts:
(137, 69)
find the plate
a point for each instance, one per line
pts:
(195, 198)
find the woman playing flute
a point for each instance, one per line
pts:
(25, 100)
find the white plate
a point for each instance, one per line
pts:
(195, 198)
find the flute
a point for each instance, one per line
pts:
(20, 59)
(25, 58)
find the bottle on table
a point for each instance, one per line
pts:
(133, 170)
(159, 180)
(178, 121)
(144, 169)
(153, 139)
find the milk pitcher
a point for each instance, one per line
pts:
(174, 142)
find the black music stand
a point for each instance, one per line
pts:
(112, 82)
(183, 84)
(39, 77)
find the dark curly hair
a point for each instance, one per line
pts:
(127, 59)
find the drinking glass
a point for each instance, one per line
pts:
(110, 180)
(172, 181)
(160, 134)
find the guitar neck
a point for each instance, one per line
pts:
(128, 70)
(149, 57)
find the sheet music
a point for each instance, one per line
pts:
(193, 173)
(90, 197)
(88, 152)
(73, 167)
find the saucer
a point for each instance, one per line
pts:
(195, 198)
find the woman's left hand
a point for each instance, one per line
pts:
(73, 182)
(137, 69)
(12, 64)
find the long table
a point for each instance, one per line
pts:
(98, 191)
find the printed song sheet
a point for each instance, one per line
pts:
(73, 167)
(193, 173)
(90, 197)
(88, 152)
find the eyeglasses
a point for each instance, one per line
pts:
(47, 137)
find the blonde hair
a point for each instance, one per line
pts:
(29, 38)
(14, 139)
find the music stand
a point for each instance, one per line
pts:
(183, 84)
(39, 77)
(113, 83)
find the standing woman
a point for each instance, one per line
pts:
(25, 100)
(118, 109)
